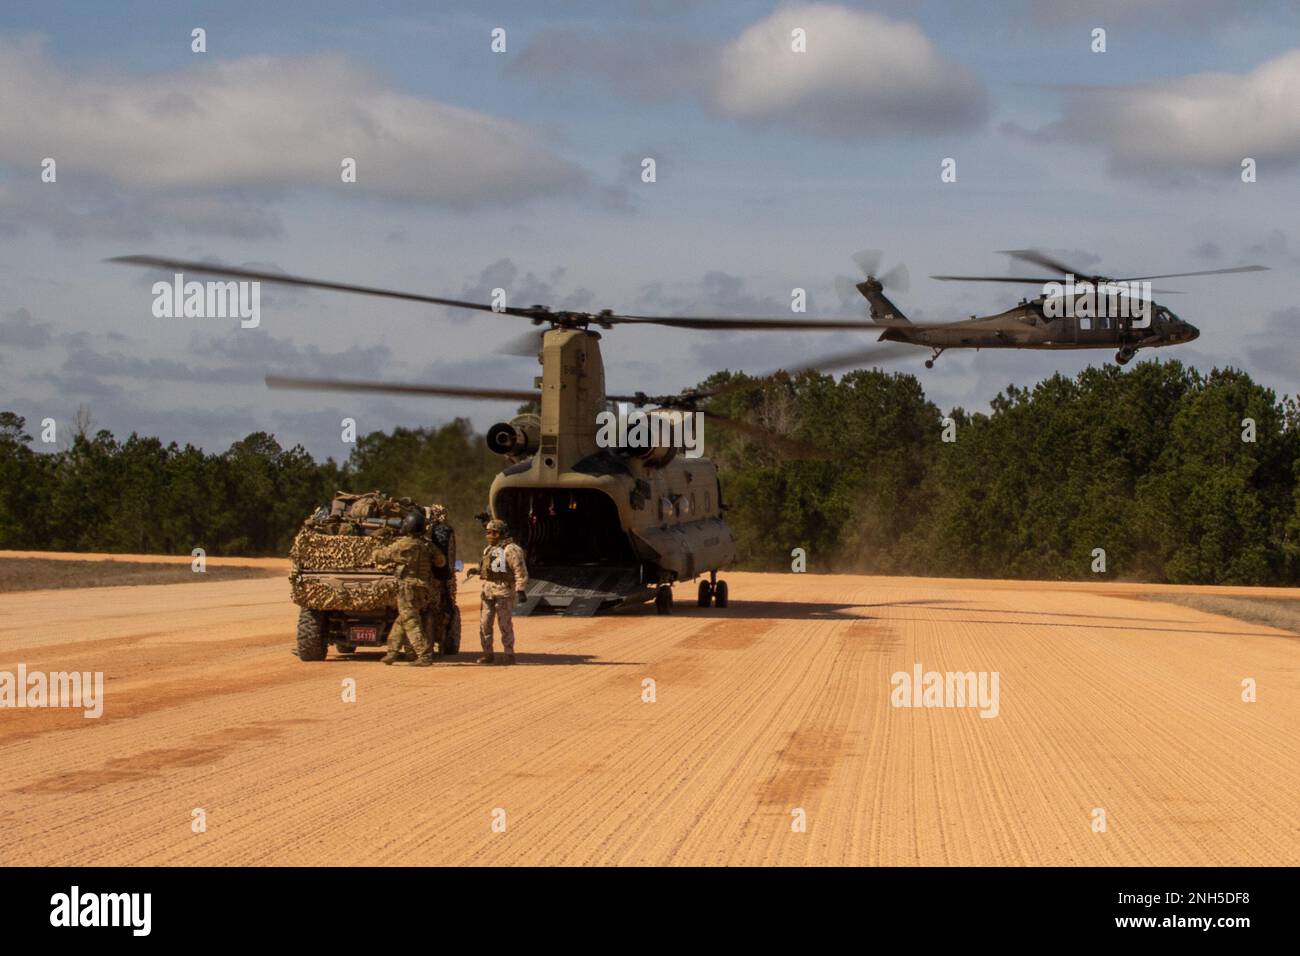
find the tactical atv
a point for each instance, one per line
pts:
(345, 599)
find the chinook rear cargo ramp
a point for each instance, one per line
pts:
(582, 591)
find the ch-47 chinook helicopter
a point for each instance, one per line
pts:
(602, 526)
(1076, 311)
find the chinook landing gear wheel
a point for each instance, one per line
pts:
(1124, 356)
(720, 594)
(664, 600)
(706, 594)
(311, 635)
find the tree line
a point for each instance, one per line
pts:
(141, 496)
(1155, 473)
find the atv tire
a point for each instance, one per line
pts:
(312, 639)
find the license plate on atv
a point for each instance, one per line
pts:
(363, 635)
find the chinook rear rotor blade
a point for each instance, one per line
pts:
(401, 388)
(793, 447)
(790, 447)
(869, 357)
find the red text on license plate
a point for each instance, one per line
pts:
(364, 635)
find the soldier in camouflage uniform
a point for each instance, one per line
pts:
(414, 560)
(443, 600)
(505, 580)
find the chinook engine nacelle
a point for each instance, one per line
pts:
(657, 455)
(517, 438)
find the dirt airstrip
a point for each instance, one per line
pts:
(763, 733)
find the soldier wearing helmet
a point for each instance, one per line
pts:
(443, 602)
(414, 561)
(505, 581)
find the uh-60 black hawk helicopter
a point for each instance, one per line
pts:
(602, 526)
(1076, 311)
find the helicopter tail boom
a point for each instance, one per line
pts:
(882, 309)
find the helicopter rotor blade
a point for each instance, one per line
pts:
(1204, 272)
(789, 447)
(1042, 282)
(258, 275)
(525, 346)
(401, 388)
(993, 279)
(741, 323)
(847, 290)
(859, 358)
(1042, 259)
(868, 260)
(1039, 258)
(896, 279)
(1154, 291)
(778, 324)
(869, 357)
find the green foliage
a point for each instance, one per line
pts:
(846, 510)
(144, 497)
(1148, 464)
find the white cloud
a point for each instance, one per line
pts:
(863, 74)
(266, 123)
(1205, 121)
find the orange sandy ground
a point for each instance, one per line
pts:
(779, 703)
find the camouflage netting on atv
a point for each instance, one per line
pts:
(335, 595)
(334, 552)
(339, 553)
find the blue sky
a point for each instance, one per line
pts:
(523, 169)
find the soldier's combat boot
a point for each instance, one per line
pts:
(425, 661)
(488, 658)
(409, 656)
(510, 659)
(389, 658)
